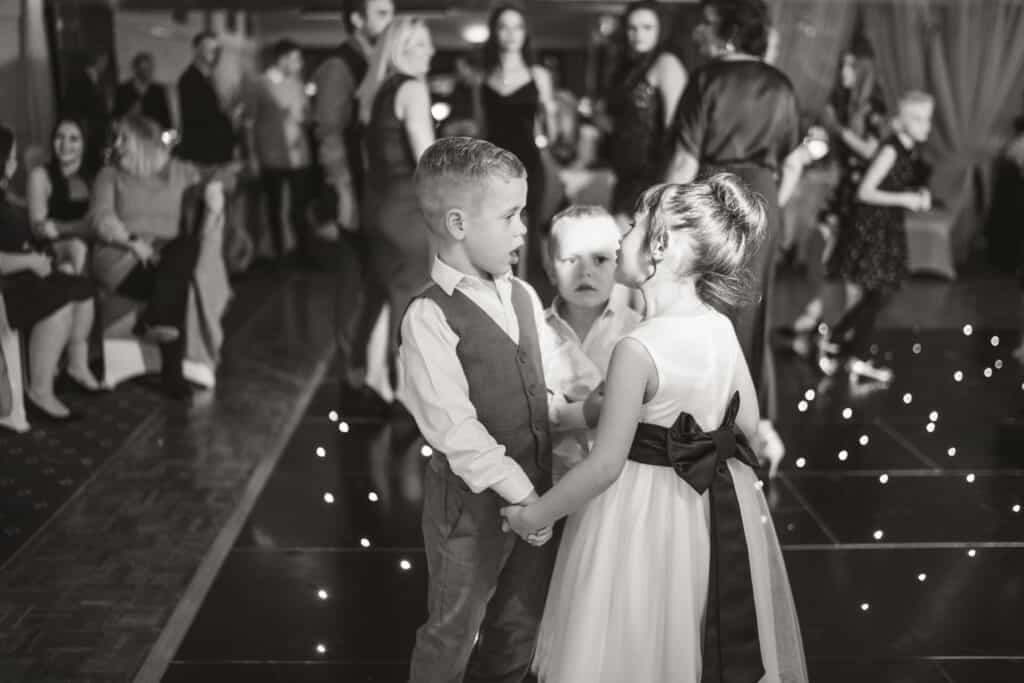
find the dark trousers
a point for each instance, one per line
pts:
(297, 181)
(482, 580)
(360, 298)
(164, 287)
(853, 331)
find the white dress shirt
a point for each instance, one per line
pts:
(576, 367)
(436, 391)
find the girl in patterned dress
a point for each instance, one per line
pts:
(873, 253)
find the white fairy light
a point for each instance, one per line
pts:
(328, 498)
(809, 394)
(864, 440)
(802, 406)
(333, 416)
(968, 330)
(372, 496)
(847, 413)
(321, 452)
(951, 452)
(801, 462)
(322, 594)
(879, 535)
(843, 455)
(365, 542)
(405, 565)
(343, 427)
(907, 398)
(970, 478)
(883, 479)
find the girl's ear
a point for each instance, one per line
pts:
(658, 248)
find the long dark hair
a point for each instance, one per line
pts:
(653, 6)
(854, 105)
(87, 171)
(492, 50)
(744, 23)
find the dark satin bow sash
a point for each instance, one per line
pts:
(731, 650)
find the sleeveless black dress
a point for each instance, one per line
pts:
(397, 235)
(510, 124)
(64, 204)
(637, 143)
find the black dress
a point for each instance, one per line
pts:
(840, 207)
(740, 116)
(637, 143)
(873, 252)
(397, 234)
(510, 123)
(29, 298)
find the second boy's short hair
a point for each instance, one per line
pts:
(582, 212)
(451, 164)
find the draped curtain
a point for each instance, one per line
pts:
(970, 57)
(36, 94)
(812, 35)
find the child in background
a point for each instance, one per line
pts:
(874, 254)
(587, 317)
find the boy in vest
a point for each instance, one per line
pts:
(474, 381)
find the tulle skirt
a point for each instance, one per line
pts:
(629, 588)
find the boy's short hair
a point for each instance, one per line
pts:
(452, 165)
(916, 97)
(607, 238)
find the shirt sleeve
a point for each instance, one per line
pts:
(562, 415)
(436, 392)
(106, 222)
(690, 122)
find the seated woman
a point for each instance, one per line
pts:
(58, 207)
(144, 252)
(49, 306)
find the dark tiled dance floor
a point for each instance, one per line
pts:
(904, 541)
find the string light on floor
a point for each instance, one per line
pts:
(883, 479)
(847, 413)
(916, 348)
(426, 451)
(987, 372)
(908, 398)
(372, 496)
(321, 648)
(405, 565)
(970, 478)
(809, 394)
(864, 440)
(994, 340)
(321, 452)
(365, 542)
(843, 455)
(968, 330)
(322, 594)
(998, 364)
(333, 416)
(864, 607)
(958, 376)
(801, 463)
(328, 498)
(343, 427)
(951, 451)
(930, 427)
(1016, 508)
(802, 406)
(972, 552)
(879, 535)
(922, 577)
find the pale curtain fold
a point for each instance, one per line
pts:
(812, 35)
(970, 57)
(37, 94)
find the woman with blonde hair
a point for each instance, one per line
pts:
(145, 251)
(394, 107)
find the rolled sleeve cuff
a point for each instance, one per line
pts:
(514, 489)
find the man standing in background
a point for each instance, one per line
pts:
(339, 154)
(207, 134)
(276, 125)
(142, 95)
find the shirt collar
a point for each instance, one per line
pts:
(448, 278)
(613, 308)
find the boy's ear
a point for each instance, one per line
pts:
(455, 224)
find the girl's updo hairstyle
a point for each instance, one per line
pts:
(743, 23)
(725, 223)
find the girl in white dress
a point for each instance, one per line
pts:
(669, 569)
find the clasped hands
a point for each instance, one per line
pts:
(516, 518)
